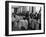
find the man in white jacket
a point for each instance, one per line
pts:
(23, 23)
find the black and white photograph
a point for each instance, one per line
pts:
(25, 18)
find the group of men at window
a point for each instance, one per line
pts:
(26, 21)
